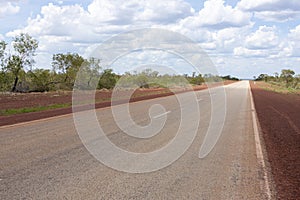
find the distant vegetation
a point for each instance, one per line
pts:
(286, 79)
(17, 73)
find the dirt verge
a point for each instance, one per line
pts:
(279, 117)
(15, 101)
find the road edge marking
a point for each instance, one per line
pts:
(162, 114)
(259, 153)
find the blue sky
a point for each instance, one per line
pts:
(242, 37)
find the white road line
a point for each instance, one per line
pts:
(259, 153)
(157, 116)
(199, 99)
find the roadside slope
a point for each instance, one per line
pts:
(279, 117)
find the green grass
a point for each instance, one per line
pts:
(279, 88)
(14, 111)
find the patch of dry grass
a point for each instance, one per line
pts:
(275, 87)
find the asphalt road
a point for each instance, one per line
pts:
(46, 159)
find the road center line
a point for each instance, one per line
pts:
(157, 116)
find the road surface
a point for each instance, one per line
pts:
(46, 159)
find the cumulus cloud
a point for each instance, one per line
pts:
(278, 16)
(264, 38)
(272, 10)
(217, 15)
(264, 42)
(270, 5)
(72, 28)
(104, 17)
(293, 44)
(61, 24)
(295, 33)
(115, 12)
(139, 11)
(53, 20)
(229, 38)
(221, 29)
(8, 8)
(167, 11)
(244, 52)
(218, 27)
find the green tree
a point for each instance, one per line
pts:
(41, 80)
(263, 77)
(67, 65)
(24, 50)
(196, 80)
(89, 74)
(108, 79)
(228, 77)
(297, 81)
(6, 79)
(287, 76)
(2, 53)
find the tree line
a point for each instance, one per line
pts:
(17, 73)
(287, 78)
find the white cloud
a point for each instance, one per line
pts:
(135, 12)
(295, 33)
(103, 17)
(54, 20)
(270, 5)
(116, 12)
(264, 42)
(229, 38)
(293, 44)
(62, 28)
(209, 45)
(167, 11)
(217, 15)
(224, 31)
(217, 27)
(264, 38)
(220, 61)
(8, 8)
(244, 52)
(278, 16)
(272, 10)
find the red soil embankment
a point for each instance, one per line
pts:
(279, 117)
(16, 101)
